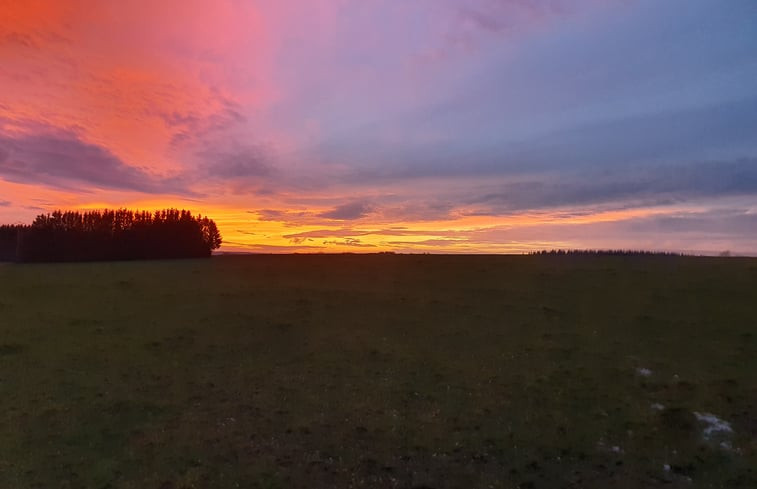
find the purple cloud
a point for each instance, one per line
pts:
(326, 233)
(347, 232)
(60, 158)
(348, 212)
(636, 187)
(246, 162)
(264, 248)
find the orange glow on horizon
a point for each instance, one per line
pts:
(272, 119)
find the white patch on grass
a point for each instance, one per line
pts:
(714, 425)
(601, 445)
(644, 372)
(657, 406)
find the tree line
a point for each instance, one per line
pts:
(606, 252)
(120, 234)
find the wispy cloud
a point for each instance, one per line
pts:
(240, 164)
(193, 127)
(637, 187)
(352, 242)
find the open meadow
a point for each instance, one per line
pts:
(381, 371)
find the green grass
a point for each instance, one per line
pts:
(378, 371)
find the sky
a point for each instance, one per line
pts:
(439, 126)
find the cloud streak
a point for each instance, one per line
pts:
(348, 212)
(637, 186)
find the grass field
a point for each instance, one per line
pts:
(380, 371)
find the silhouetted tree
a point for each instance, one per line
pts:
(210, 233)
(120, 234)
(9, 241)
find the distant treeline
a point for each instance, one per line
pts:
(110, 235)
(606, 252)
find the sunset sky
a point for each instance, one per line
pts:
(412, 126)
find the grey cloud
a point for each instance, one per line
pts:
(268, 214)
(585, 190)
(640, 186)
(293, 218)
(712, 223)
(350, 242)
(349, 211)
(665, 139)
(434, 210)
(4, 203)
(662, 137)
(416, 210)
